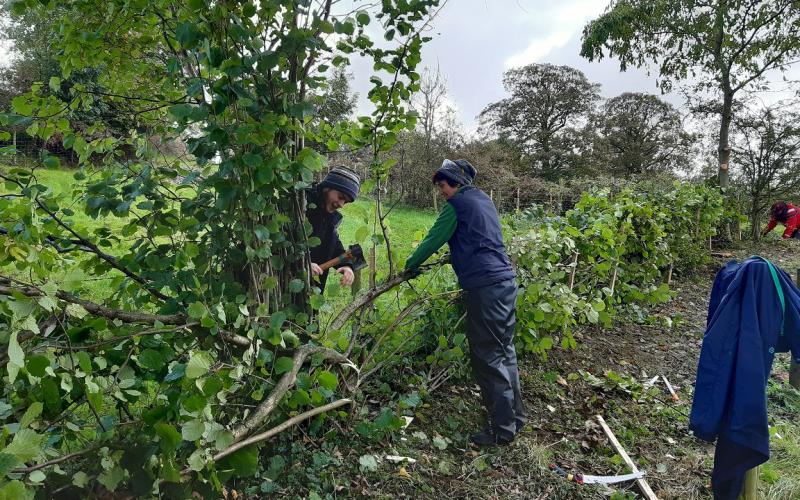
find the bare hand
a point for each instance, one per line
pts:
(347, 275)
(315, 270)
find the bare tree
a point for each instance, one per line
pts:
(767, 145)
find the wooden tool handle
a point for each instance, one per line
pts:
(336, 260)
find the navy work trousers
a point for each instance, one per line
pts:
(491, 318)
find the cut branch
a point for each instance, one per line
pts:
(277, 429)
(258, 417)
(369, 297)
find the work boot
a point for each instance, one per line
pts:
(489, 438)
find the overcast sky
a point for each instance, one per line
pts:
(475, 41)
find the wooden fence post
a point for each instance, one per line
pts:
(517, 198)
(750, 490)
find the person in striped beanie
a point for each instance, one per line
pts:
(338, 188)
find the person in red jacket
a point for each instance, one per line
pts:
(786, 214)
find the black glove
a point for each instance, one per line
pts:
(411, 273)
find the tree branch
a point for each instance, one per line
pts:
(261, 413)
(369, 297)
(26, 470)
(277, 429)
(178, 319)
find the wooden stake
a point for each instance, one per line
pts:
(646, 490)
(750, 490)
(613, 280)
(574, 269)
(669, 274)
(435, 202)
(491, 195)
(517, 198)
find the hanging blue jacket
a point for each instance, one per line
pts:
(748, 322)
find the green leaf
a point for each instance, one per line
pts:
(111, 478)
(317, 301)
(15, 490)
(31, 414)
(16, 357)
(193, 430)
(26, 445)
(243, 463)
(197, 460)
(80, 479)
(296, 285)
(54, 83)
(198, 365)
(37, 364)
(253, 160)
(277, 319)
(362, 233)
(327, 379)
(37, 476)
(76, 310)
(170, 439)
(51, 162)
(7, 463)
(197, 310)
(300, 397)
(186, 34)
(84, 361)
(283, 365)
(151, 359)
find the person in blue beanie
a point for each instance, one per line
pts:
(469, 224)
(338, 188)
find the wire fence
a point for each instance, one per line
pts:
(22, 150)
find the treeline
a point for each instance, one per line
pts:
(552, 131)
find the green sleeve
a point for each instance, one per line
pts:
(439, 234)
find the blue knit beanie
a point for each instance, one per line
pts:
(460, 171)
(344, 180)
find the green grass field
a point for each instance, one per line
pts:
(405, 227)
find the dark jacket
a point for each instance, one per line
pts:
(747, 325)
(324, 226)
(477, 253)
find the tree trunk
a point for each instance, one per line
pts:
(724, 150)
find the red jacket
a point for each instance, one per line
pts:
(792, 222)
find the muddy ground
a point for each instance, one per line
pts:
(605, 375)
